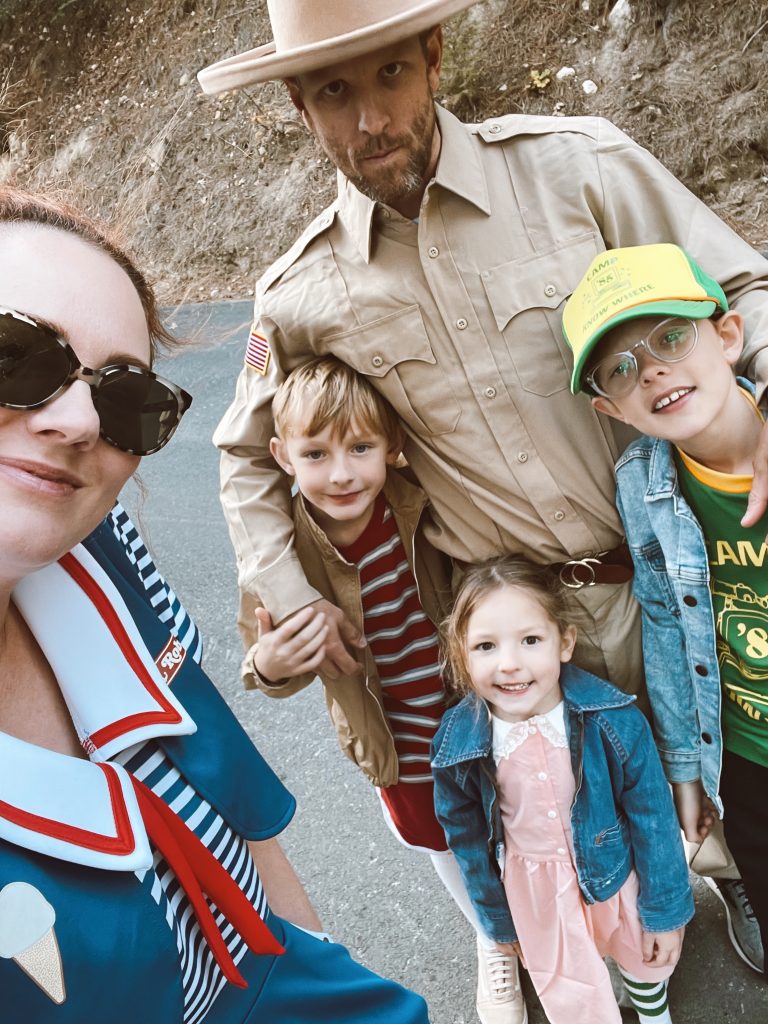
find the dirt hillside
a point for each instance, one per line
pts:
(100, 98)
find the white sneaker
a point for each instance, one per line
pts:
(499, 996)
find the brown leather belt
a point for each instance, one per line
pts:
(606, 567)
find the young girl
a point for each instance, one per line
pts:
(559, 768)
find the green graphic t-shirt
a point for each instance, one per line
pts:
(738, 564)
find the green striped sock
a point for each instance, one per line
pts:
(649, 999)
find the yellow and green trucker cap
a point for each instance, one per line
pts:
(641, 280)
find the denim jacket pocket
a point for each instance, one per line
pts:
(651, 556)
(616, 833)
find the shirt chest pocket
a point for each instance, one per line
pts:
(526, 298)
(395, 354)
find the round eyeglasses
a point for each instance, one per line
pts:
(669, 342)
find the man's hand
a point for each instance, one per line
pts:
(662, 948)
(341, 638)
(296, 646)
(758, 495)
(695, 810)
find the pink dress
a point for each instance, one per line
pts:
(563, 939)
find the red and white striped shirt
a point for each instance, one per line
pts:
(404, 646)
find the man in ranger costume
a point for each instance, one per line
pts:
(139, 880)
(440, 272)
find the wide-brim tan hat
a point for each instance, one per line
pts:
(311, 34)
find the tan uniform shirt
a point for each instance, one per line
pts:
(456, 320)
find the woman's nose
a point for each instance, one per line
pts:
(70, 418)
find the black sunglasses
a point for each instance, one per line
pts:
(138, 411)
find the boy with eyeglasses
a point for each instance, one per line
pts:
(654, 344)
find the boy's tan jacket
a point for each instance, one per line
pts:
(355, 702)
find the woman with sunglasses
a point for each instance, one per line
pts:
(136, 817)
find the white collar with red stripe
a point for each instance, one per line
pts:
(82, 811)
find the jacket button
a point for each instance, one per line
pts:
(377, 361)
(706, 737)
(495, 129)
(549, 290)
(690, 600)
(702, 670)
(433, 252)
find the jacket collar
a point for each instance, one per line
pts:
(459, 170)
(584, 692)
(468, 733)
(403, 497)
(116, 696)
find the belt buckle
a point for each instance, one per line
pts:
(568, 576)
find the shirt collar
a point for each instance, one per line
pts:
(508, 736)
(459, 170)
(76, 810)
(114, 689)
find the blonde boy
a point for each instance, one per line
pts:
(359, 538)
(655, 345)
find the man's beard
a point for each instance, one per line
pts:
(391, 188)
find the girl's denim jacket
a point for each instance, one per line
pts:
(671, 584)
(622, 814)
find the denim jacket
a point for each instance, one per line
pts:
(671, 584)
(622, 814)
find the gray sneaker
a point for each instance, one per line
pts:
(620, 993)
(743, 929)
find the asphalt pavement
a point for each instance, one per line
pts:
(382, 901)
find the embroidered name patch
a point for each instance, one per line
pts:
(257, 352)
(170, 659)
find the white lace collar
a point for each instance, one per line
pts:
(508, 736)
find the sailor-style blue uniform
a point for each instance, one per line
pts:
(94, 921)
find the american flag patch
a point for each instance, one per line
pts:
(257, 352)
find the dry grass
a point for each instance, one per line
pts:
(210, 191)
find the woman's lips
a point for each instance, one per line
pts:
(40, 477)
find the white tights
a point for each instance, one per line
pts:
(448, 872)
